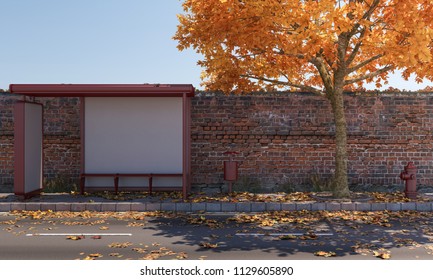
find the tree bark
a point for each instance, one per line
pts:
(341, 183)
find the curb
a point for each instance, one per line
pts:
(213, 207)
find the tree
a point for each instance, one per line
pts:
(320, 46)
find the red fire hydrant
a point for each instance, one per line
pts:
(409, 175)
(230, 170)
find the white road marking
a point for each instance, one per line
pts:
(282, 234)
(79, 234)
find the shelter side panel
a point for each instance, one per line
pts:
(28, 148)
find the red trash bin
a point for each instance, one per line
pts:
(230, 170)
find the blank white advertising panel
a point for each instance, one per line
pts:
(133, 135)
(28, 148)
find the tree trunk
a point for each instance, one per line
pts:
(340, 186)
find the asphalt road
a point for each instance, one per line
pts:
(35, 236)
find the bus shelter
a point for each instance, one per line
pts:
(133, 137)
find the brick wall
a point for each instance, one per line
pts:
(287, 139)
(281, 139)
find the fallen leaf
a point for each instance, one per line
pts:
(287, 237)
(104, 228)
(75, 237)
(119, 245)
(311, 236)
(96, 237)
(381, 255)
(139, 250)
(135, 224)
(325, 254)
(208, 245)
(182, 255)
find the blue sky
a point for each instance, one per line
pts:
(98, 41)
(92, 41)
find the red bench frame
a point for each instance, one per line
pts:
(116, 177)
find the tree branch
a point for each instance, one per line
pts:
(369, 75)
(355, 30)
(324, 74)
(364, 63)
(366, 15)
(296, 55)
(278, 82)
(355, 49)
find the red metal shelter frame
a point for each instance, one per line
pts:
(184, 91)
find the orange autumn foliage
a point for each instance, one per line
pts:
(252, 45)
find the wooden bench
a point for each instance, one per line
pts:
(116, 177)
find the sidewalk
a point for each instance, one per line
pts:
(68, 202)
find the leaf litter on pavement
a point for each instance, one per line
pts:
(347, 221)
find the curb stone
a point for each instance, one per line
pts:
(393, 206)
(123, 207)
(288, 206)
(320, 206)
(213, 207)
(63, 207)
(410, 206)
(139, 207)
(273, 206)
(5, 207)
(332, 206)
(258, 207)
(110, 207)
(348, 206)
(48, 206)
(243, 207)
(228, 207)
